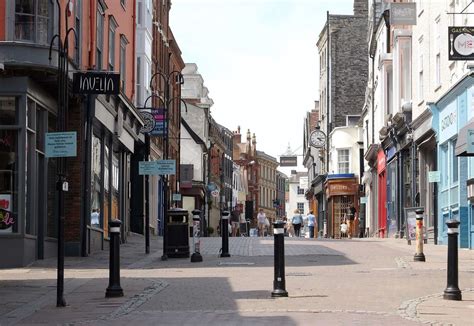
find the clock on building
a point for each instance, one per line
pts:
(317, 139)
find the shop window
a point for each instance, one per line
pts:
(8, 167)
(123, 62)
(32, 20)
(444, 166)
(96, 181)
(115, 186)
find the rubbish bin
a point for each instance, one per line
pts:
(177, 233)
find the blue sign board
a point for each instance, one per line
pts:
(160, 167)
(166, 166)
(61, 144)
(147, 168)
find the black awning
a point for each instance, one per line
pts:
(462, 141)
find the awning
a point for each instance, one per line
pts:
(463, 139)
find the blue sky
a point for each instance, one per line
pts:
(259, 61)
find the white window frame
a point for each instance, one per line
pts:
(339, 162)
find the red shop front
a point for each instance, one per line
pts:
(382, 194)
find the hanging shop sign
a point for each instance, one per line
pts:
(160, 123)
(166, 166)
(149, 122)
(434, 176)
(403, 13)
(461, 43)
(176, 197)
(95, 82)
(288, 160)
(61, 144)
(148, 168)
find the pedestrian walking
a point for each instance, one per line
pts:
(261, 217)
(311, 222)
(235, 220)
(350, 220)
(296, 221)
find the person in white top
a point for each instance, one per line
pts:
(261, 221)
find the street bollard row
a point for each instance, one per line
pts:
(114, 289)
(452, 291)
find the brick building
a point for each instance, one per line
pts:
(100, 173)
(342, 46)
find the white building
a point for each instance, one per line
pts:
(296, 194)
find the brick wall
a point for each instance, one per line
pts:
(349, 66)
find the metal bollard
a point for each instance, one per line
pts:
(196, 256)
(419, 255)
(279, 260)
(225, 234)
(452, 291)
(114, 289)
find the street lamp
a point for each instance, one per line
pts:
(63, 96)
(166, 101)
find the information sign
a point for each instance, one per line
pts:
(61, 144)
(434, 176)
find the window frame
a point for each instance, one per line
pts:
(339, 162)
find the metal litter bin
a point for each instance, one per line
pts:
(177, 236)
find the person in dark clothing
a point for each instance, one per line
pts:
(235, 220)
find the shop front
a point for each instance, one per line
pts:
(382, 194)
(451, 114)
(342, 192)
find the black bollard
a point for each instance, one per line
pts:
(196, 256)
(419, 255)
(279, 260)
(225, 234)
(114, 289)
(452, 291)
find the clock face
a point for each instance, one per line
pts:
(317, 138)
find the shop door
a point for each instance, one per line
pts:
(340, 206)
(382, 204)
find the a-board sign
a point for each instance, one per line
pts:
(61, 144)
(410, 221)
(96, 82)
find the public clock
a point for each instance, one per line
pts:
(317, 139)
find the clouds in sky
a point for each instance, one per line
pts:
(259, 61)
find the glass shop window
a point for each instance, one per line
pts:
(8, 167)
(96, 181)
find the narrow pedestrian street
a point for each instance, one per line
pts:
(329, 282)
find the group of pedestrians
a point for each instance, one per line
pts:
(298, 221)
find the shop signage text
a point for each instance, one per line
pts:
(96, 83)
(61, 144)
(288, 161)
(460, 43)
(403, 13)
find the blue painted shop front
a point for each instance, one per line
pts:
(451, 116)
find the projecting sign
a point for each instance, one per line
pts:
(61, 144)
(166, 166)
(403, 13)
(288, 161)
(96, 82)
(176, 197)
(149, 122)
(461, 43)
(434, 176)
(470, 141)
(160, 123)
(148, 168)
